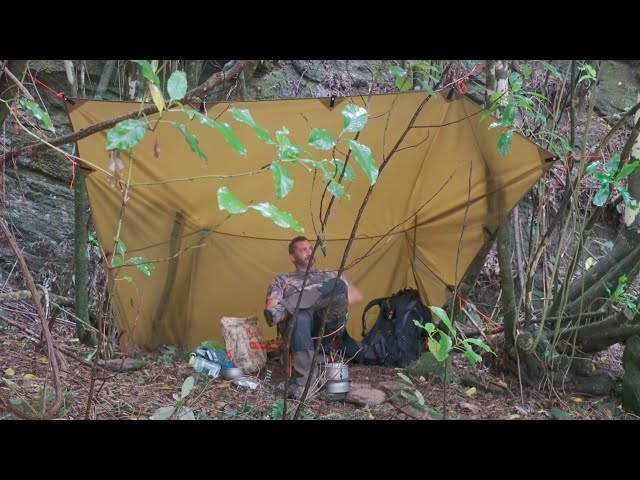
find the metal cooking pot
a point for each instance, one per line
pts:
(336, 371)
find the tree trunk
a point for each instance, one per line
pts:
(194, 69)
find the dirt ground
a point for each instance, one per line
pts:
(137, 394)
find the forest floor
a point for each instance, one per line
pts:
(152, 380)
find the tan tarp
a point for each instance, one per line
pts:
(210, 264)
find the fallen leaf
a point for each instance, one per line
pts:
(470, 406)
(74, 340)
(589, 263)
(156, 148)
(115, 166)
(522, 410)
(165, 387)
(9, 372)
(29, 376)
(577, 399)
(593, 367)
(514, 416)
(502, 383)
(43, 360)
(470, 392)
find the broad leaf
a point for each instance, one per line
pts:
(162, 413)
(336, 189)
(422, 64)
(509, 115)
(187, 386)
(365, 159)
(627, 169)
(147, 71)
(244, 116)
(428, 88)
(143, 264)
(602, 195)
(504, 142)
(118, 262)
(229, 202)
(121, 248)
(126, 134)
(187, 414)
(355, 118)
(38, 113)
(349, 174)
(612, 165)
(593, 167)
(157, 97)
(480, 343)
(192, 140)
(445, 347)
(286, 149)
(405, 378)
(626, 196)
(403, 83)
(397, 71)
(282, 179)
(321, 139)
(280, 218)
(226, 130)
(473, 357)
(551, 68)
(177, 85)
(434, 348)
(442, 315)
(420, 398)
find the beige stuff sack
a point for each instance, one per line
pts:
(243, 340)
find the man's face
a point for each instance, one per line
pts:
(301, 254)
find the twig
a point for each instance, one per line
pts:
(47, 334)
(21, 87)
(25, 295)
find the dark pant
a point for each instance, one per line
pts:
(308, 322)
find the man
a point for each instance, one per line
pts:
(282, 297)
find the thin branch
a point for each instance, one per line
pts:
(15, 80)
(195, 94)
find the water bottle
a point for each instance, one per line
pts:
(200, 364)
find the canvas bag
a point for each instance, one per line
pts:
(243, 340)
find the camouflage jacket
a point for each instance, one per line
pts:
(287, 284)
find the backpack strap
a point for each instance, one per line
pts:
(372, 303)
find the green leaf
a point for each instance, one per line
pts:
(434, 348)
(147, 71)
(624, 193)
(422, 64)
(282, 179)
(551, 68)
(224, 128)
(143, 264)
(420, 398)
(126, 134)
(244, 116)
(121, 248)
(405, 378)
(286, 149)
(593, 167)
(187, 414)
(365, 159)
(397, 71)
(504, 142)
(177, 85)
(321, 139)
(229, 202)
(509, 115)
(516, 81)
(403, 83)
(38, 113)
(612, 165)
(280, 218)
(162, 413)
(442, 315)
(480, 343)
(349, 174)
(445, 347)
(627, 169)
(355, 118)
(128, 278)
(187, 386)
(192, 140)
(526, 71)
(603, 177)
(602, 195)
(473, 357)
(118, 262)
(336, 189)
(428, 88)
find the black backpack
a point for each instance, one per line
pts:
(394, 340)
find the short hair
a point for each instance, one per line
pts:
(292, 243)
